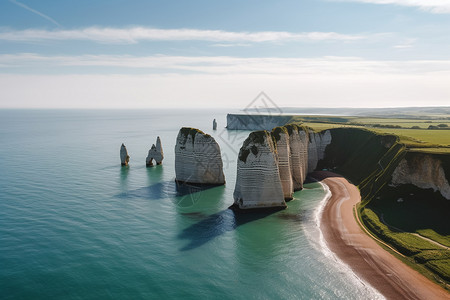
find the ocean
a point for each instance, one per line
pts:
(74, 224)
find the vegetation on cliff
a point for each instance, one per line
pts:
(414, 221)
(255, 137)
(365, 157)
(186, 131)
(413, 132)
(367, 150)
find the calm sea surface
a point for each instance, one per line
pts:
(74, 224)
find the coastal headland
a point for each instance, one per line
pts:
(402, 173)
(345, 237)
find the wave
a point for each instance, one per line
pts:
(321, 245)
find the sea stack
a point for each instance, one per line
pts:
(258, 182)
(198, 159)
(214, 124)
(155, 153)
(124, 157)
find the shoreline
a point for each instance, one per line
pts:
(368, 260)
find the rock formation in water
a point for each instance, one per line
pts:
(197, 158)
(124, 157)
(424, 171)
(155, 153)
(214, 124)
(318, 141)
(272, 165)
(258, 182)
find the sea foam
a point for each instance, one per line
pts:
(320, 244)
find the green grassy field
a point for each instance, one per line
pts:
(433, 257)
(422, 139)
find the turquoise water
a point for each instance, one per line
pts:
(74, 224)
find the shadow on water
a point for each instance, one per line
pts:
(154, 173)
(215, 225)
(164, 189)
(124, 170)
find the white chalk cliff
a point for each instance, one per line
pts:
(258, 182)
(198, 159)
(318, 142)
(155, 153)
(124, 157)
(298, 139)
(424, 171)
(281, 137)
(272, 165)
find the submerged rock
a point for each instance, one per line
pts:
(258, 182)
(155, 153)
(124, 157)
(198, 159)
(214, 124)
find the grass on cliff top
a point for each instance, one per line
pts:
(421, 139)
(186, 131)
(421, 254)
(255, 137)
(407, 218)
(413, 209)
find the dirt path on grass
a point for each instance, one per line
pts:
(413, 233)
(390, 276)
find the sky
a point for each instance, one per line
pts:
(209, 54)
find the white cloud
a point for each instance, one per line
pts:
(433, 6)
(226, 90)
(218, 65)
(405, 44)
(224, 45)
(137, 34)
(222, 81)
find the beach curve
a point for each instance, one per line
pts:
(342, 234)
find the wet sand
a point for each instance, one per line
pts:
(386, 273)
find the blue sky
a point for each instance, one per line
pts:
(133, 54)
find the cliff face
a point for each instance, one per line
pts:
(258, 182)
(370, 160)
(282, 141)
(364, 157)
(255, 122)
(272, 165)
(316, 148)
(197, 158)
(298, 139)
(424, 171)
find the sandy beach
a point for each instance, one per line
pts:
(390, 276)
